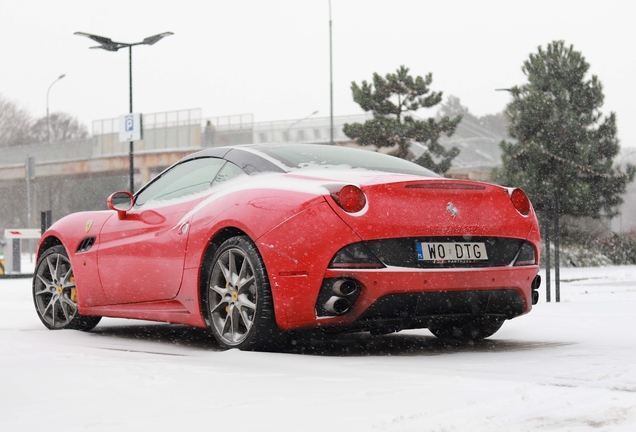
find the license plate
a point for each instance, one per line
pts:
(451, 251)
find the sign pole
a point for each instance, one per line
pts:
(557, 276)
(132, 147)
(547, 248)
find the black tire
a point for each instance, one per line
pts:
(55, 293)
(237, 298)
(465, 328)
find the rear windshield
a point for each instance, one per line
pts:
(307, 156)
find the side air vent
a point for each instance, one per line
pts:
(86, 244)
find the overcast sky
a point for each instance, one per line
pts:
(271, 57)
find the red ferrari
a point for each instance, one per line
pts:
(255, 241)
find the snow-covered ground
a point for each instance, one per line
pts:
(567, 366)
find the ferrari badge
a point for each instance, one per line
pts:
(451, 209)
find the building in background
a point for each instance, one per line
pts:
(79, 175)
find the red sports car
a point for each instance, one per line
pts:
(254, 241)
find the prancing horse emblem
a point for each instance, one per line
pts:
(451, 209)
(89, 224)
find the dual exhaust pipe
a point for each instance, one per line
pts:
(536, 283)
(343, 290)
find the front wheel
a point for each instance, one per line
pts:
(238, 299)
(465, 328)
(55, 293)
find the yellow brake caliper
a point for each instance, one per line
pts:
(73, 290)
(227, 308)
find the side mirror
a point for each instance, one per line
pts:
(121, 202)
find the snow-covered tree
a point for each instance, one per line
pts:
(393, 100)
(565, 147)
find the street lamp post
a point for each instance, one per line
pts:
(330, 78)
(48, 120)
(301, 120)
(108, 45)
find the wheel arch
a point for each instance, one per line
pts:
(48, 243)
(62, 283)
(213, 245)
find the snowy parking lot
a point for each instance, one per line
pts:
(567, 366)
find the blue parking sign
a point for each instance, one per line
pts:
(130, 127)
(130, 123)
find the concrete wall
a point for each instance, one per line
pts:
(78, 149)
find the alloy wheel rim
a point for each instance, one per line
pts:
(233, 296)
(54, 291)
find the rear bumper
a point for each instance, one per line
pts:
(412, 296)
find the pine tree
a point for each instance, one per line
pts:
(564, 145)
(392, 100)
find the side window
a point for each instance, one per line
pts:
(228, 172)
(187, 178)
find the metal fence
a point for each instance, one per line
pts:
(310, 130)
(227, 130)
(161, 131)
(182, 129)
(230, 122)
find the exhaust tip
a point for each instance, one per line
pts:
(345, 287)
(337, 305)
(337, 296)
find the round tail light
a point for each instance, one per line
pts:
(350, 198)
(520, 201)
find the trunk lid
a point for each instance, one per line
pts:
(437, 207)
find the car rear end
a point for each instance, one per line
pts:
(429, 249)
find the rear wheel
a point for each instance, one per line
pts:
(55, 293)
(465, 328)
(238, 299)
